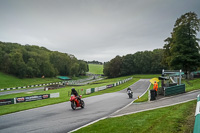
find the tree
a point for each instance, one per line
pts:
(106, 68)
(83, 67)
(17, 67)
(156, 61)
(128, 65)
(115, 67)
(74, 70)
(182, 49)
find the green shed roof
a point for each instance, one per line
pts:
(64, 77)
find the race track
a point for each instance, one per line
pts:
(60, 118)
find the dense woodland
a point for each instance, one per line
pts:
(144, 62)
(34, 61)
(95, 62)
(180, 51)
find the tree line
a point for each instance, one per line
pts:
(95, 62)
(143, 62)
(34, 61)
(181, 51)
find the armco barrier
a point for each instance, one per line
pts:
(173, 90)
(197, 117)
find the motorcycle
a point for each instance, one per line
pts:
(130, 93)
(75, 102)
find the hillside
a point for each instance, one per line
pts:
(95, 69)
(7, 81)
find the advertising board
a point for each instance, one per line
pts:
(6, 101)
(31, 98)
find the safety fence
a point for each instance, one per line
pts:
(197, 116)
(28, 98)
(92, 90)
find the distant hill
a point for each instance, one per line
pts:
(95, 68)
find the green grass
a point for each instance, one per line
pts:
(144, 98)
(192, 84)
(173, 119)
(63, 95)
(95, 69)
(8, 81)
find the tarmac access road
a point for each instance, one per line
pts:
(160, 103)
(60, 118)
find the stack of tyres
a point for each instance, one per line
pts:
(153, 94)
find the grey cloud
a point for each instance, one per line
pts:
(92, 29)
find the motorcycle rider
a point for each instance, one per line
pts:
(129, 91)
(74, 92)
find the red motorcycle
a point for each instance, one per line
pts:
(75, 102)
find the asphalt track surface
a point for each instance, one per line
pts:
(60, 118)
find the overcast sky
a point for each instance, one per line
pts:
(92, 29)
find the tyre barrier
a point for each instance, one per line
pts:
(197, 116)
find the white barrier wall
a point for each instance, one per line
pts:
(88, 91)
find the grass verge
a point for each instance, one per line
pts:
(173, 119)
(192, 84)
(144, 98)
